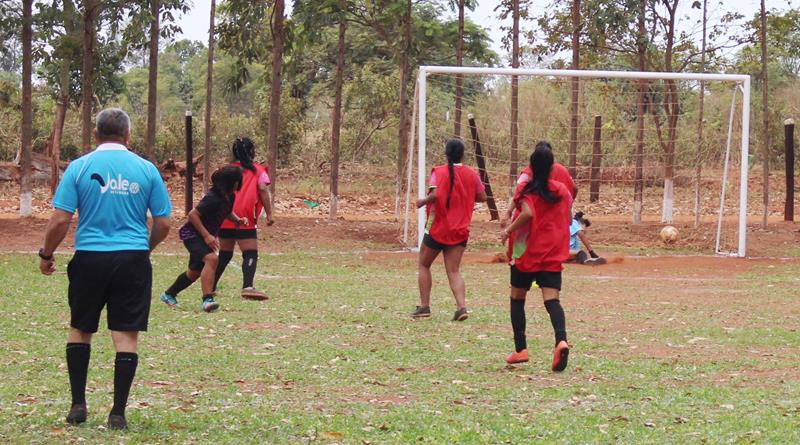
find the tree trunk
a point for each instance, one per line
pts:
(25, 189)
(403, 127)
(459, 62)
(209, 91)
(336, 123)
(573, 129)
(672, 108)
(90, 8)
(765, 93)
(698, 168)
(514, 98)
(62, 102)
(638, 185)
(275, 90)
(152, 83)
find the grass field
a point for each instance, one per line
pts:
(665, 350)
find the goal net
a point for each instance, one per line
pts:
(640, 153)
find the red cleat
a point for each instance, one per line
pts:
(560, 356)
(517, 357)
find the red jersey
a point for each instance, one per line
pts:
(450, 226)
(247, 203)
(543, 244)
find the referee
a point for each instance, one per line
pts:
(112, 189)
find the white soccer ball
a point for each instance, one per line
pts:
(669, 234)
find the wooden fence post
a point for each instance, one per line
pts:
(189, 164)
(481, 160)
(597, 157)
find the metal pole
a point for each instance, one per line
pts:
(421, 167)
(788, 208)
(189, 158)
(745, 168)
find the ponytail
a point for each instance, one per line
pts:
(541, 164)
(454, 151)
(243, 151)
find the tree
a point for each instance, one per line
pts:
(765, 112)
(275, 87)
(336, 120)
(91, 8)
(152, 82)
(573, 128)
(209, 90)
(25, 200)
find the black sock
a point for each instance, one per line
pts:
(557, 319)
(181, 283)
(124, 370)
(224, 258)
(249, 261)
(78, 367)
(518, 324)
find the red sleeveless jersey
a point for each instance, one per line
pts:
(247, 203)
(450, 226)
(543, 244)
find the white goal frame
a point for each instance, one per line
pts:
(738, 79)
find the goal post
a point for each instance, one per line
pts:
(736, 81)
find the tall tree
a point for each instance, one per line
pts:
(152, 82)
(91, 8)
(336, 120)
(765, 112)
(405, 74)
(638, 183)
(209, 91)
(25, 196)
(459, 62)
(700, 117)
(573, 128)
(275, 88)
(514, 94)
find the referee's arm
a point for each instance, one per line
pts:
(57, 229)
(159, 231)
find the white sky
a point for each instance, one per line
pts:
(195, 23)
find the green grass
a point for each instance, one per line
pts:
(332, 357)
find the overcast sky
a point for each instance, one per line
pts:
(195, 23)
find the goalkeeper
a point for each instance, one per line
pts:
(577, 235)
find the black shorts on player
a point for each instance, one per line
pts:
(524, 280)
(120, 281)
(436, 245)
(238, 233)
(198, 249)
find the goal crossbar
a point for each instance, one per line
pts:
(742, 79)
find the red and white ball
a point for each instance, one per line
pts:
(669, 235)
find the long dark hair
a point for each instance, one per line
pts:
(226, 180)
(454, 151)
(579, 217)
(244, 150)
(541, 162)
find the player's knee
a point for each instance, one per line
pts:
(211, 259)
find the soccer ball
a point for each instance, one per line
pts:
(669, 234)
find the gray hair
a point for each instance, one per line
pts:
(113, 123)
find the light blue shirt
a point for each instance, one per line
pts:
(112, 190)
(574, 241)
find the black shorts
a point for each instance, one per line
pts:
(524, 280)
(436, 245)
(238, 233)
(121, 280)
(198, 249)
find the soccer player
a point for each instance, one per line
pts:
(454, 188)
(250, 199)
(540, 246)
(577, 235)
(199, 236)
(112, 189)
